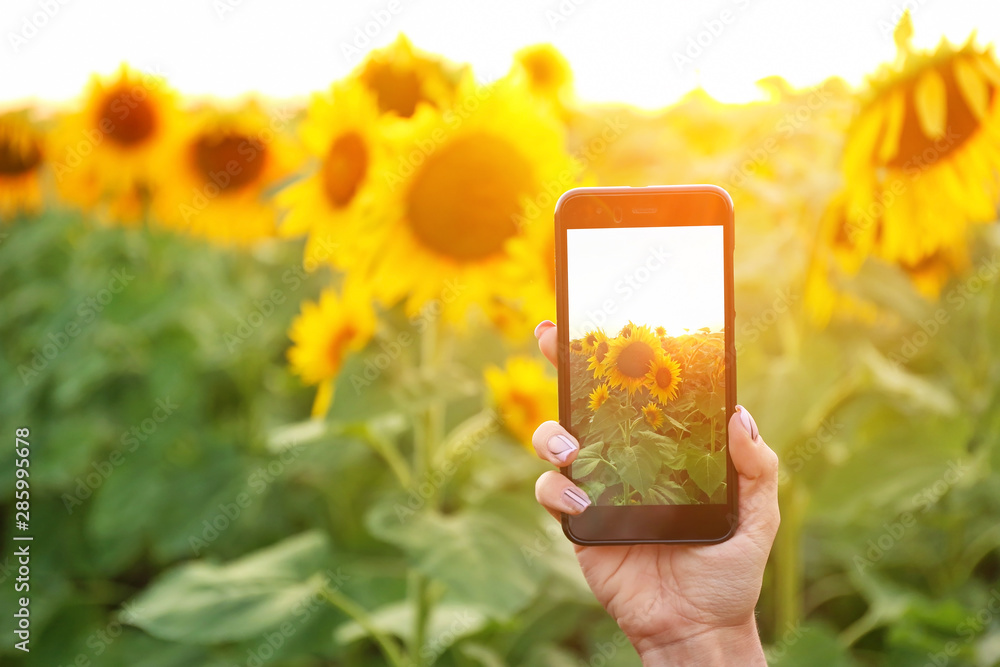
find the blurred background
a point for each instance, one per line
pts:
(269, 273)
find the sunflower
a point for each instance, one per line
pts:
(222, 169)
(663, 378)
(524, 394)
(630, 358)
(577, 347)
(598, 360)
(660, 332)
(325, 332)
(626, 330)
(931, 272)
(653, 415)
(471, 189)
(21, 159)
(112, 151)
(593, 338)
(402, 79)
(599, 396)
(343, 197)
(922, 156)
(547, 72)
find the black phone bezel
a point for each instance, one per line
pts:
(653, 206)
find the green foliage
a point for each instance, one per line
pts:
(627, 458)
(234, 528)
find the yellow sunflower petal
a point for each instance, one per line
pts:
(931, 102)
(974, 89)
(896, 107)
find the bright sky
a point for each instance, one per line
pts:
(647, 53)
(658, 276)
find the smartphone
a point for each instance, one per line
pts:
(647, 373)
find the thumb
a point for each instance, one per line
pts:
(757, 465)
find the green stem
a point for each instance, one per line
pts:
(788, 577)
(390, 454)
(711, 441)
(361, 617)
(428, 434)
(418, 592)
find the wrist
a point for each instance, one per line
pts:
(731, 645)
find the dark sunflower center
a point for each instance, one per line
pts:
(634, 360)
(231, 160)
(541, 70)
(395, 89)
(664, 377)
(335, 352)
(590, 340)
(923, 265)
(464, 202)
(345, 168)
(526, 404)
(576, 345)
(916, 149)
(602, 351)
(16, 159)
(127, 116)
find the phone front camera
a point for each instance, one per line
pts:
(618, 213)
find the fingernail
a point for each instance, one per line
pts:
(542, 326)
(561, 447)
(577, 498)
(748, 423)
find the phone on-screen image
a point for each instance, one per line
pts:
(647, 373)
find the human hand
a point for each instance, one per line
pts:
(684, 604)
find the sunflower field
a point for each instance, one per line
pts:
(657, 414)
(276, 369)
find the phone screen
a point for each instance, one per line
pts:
(647, 355)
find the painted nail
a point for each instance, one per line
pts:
(561, 447)
(577, 498)
(748, 423)
(542, 326)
